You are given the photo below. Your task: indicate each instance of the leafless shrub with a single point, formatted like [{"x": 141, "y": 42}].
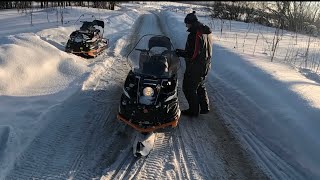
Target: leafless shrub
[
  {"x": 254, "y": 49},
  {"x": 236, "y": 41},
  {"x": 221, "y": 27},
  {"x": 245, "y": 37},
  {"x": 276, "y": 39}
]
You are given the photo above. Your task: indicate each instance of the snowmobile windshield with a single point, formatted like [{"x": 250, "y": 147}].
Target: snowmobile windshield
[
  {"x": 154, "y": 55},
  {"x": 89, "y": 26}
]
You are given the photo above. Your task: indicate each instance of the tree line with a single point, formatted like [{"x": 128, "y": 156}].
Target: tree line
[
  {"x": 296, "y": 16},
  {"x": 23, "y": 5}
]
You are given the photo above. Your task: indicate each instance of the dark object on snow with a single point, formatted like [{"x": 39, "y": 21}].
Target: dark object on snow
[
  {"x": 88, "y": 41},
  {"x": 149, "y": 100}
]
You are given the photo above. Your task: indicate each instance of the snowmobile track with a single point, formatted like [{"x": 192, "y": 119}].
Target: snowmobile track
[
  {"x": 180, "y": 154},
  {"x": 152, "y": 165},
  {"x": 126, "y": 165}
]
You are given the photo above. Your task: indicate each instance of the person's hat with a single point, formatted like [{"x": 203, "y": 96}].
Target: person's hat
[{"x": 191, "y": 18}]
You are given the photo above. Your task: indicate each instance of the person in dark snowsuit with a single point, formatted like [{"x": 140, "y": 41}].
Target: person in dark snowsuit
[{"x": 197, "y": 55}]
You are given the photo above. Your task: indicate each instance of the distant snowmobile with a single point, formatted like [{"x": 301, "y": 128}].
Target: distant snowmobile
[
  {"x": 149, "y": 100},
  {"x": 88, "y": 41}
]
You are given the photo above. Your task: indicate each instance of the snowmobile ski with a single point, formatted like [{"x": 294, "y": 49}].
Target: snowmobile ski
[{"x": 143, "y": 144}]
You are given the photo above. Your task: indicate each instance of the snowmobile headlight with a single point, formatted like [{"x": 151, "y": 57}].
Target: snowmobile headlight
[{"x": 148, "y": 91}]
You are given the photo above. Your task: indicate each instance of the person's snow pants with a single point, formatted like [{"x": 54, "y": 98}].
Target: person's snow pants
[{"x": 194, "y": 86}]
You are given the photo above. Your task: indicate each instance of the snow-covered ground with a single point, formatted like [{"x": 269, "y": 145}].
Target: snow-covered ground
[{"x": 58, "y": 110}]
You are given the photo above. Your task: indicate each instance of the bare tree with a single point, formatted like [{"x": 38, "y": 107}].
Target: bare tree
[
  {"x": 254, "y": 49},
  {"x": 112, "y": 5},
  {"x": 31, "y": 14},
  {"x": 245, "y": 37},
  {"x": 61, "y": 15},
  {"x": 311, "y": 29},
  {"x": 276, "y": 38}
]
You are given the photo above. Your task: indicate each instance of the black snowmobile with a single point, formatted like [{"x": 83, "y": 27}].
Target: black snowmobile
[
  {"x": 149, "y": 100},
  {"x": 88, "y": 41}
]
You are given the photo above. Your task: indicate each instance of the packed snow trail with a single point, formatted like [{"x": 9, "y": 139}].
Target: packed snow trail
[{"x": 242, "y": 107}]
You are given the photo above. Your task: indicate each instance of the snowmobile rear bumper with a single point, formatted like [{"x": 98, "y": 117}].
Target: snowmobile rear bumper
[{"x": 173, "y": 124}]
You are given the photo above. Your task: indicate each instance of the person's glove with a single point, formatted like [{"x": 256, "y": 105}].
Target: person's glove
[{"x": 179, "y": 52}]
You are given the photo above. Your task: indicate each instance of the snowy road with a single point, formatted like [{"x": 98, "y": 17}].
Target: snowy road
[
  {"x": 83, "y": 139},
  {"x": 58, "y": 111}
]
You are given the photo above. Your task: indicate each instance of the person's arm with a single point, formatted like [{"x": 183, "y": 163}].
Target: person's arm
[
  {"x": 197, "y": 46},
  {"x": 181, "y": 53}
]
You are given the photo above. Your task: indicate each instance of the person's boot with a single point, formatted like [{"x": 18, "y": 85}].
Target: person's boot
[
  {"x": 204, "y": 111},
  {"x": 189, "y": 113}
]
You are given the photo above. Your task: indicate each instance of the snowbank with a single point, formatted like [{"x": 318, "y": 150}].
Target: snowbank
[{"x": 31, "y": 66}]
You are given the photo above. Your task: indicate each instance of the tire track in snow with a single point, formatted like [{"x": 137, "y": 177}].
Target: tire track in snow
[
  {"x": 269, "y": 159},
  {"x": 124, "y": 166},
  {"x": 150, "y": 167},
  {"x": 180, "y": 154},
  {"x": 129, "y": 166},
  {"x": 156, "y": 160},
  {"x": 198, "y": 147},
  {"x": 48, "y": 153}
]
